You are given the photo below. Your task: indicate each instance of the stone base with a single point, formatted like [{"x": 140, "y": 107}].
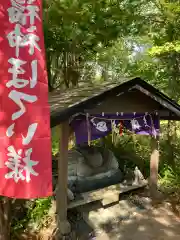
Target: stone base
[{"x": 64, "y": 227}]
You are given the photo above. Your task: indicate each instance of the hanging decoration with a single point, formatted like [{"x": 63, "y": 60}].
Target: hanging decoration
[
  {"x": 100, "y": 126},
  {"x": 121, "y": 128}
]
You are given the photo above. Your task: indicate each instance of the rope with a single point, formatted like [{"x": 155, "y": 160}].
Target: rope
[
  {"x": 118, "y": 119},
  {"x": 112, "y": 119}
]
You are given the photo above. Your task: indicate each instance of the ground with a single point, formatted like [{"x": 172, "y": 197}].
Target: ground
[
  {"x": 159, "y": 224},
  {"x": 133, "y": 218}
]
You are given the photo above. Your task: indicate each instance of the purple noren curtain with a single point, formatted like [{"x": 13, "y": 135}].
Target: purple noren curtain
[{"x": 100, "y": 126}]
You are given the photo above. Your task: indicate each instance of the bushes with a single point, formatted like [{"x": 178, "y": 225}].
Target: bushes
[
  {"x": 169, "y": 178},
  {"x": 34, "y": 215},
  {"x": 131, "y": 150},
  {"x": 55, "y": 139},
  {"x": 134, "y": 150}
]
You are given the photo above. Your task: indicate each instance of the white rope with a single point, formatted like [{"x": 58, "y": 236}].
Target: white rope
[
  {"x": 112, "y": 119},
  {"x": 117, "y": 119}
]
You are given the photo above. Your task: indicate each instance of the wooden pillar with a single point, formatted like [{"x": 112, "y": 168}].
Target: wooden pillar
[
  {"x": 63, "y": 224},
  {"x": 154, "y": 164}
]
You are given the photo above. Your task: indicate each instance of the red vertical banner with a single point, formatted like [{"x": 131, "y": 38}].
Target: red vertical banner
[{"x": 25, "y": 143}]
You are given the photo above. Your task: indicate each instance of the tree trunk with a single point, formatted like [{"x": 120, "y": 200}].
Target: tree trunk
[
  {"x": 48, "y": 65},
  {"x": 5, "y": 218}
]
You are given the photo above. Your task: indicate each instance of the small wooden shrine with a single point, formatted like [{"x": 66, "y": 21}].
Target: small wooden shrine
[{"x": 120, "y": 98}]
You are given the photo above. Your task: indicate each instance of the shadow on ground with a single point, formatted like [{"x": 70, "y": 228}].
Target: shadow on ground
[{"x": 128, "y": 220}]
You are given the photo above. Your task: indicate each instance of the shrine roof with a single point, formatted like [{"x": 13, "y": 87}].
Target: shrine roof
[{"x": 64, "y": 104}]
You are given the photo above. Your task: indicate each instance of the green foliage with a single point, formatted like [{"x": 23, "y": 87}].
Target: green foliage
[
  {"x": 115, "y": 38},
  {"x": 170, "y": 178},
  {"x": 76, "y": 31},
  {"x": 34, "y": 215},
  {"x": 151, "y": 49},
  {"x": 133, "y": 150},
  {"x": 39, "y": 210},
  {"x": 55, "y": 132},
  {"x": 168, "y": 47}
]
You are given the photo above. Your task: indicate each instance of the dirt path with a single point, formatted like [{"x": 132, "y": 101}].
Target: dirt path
[
  {"x": 133, "y": 218},
  {"x": 157, "y": 224},
  {"x": 130, "y": 219}
]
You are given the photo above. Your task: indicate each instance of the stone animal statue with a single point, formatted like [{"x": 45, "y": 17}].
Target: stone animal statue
[{"x": 90, "y": 161}]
